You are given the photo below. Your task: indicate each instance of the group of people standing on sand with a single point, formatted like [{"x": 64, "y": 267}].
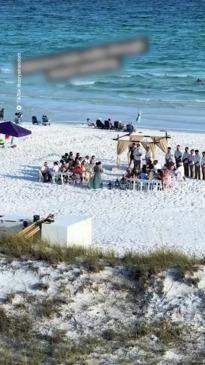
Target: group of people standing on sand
[
  {"x": 74, "y": 168},
  {"x": 178, "y": 164},
  {"x": 142, "y": 166},
  {"x": 192, "y": 161}
]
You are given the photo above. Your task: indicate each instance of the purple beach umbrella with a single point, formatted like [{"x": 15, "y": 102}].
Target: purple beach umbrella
[{"x": 13, "y": 129}]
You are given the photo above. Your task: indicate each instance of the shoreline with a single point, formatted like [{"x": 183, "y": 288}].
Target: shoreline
[{"x": 79, "y": 124}]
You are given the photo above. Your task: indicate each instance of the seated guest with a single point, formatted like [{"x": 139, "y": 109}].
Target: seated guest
[
  {"x": 156, "y": 165},
  {"x": 123, "y": 183},
  {"x": 150, "y": 166},
  {"x": 76, "y": 162},
  {"x": 99, "y": 123},
  {"x": 117, "y": 183},
  {"x": 46, "y": 173},
  {"x": 121, "y": 125},
  {"x": 77, "y": 169},
  {"x": 144, "y": 174},
  {"x": 159, "y": 174},
  {"x": 150, "y": 175},
  {"x": 167, "y": 179},
  {"x": 71, "y": 165},
  {"x": 63, "y": 166},
  {"x": 129, "y": 128},
  {"x": 171, "y": 167},
  {"x": 128, "y": 173},
  {"x": 108, "y": 124},
  {"x": 135, "y": 175},
  {"x": 179, "y": 172}
]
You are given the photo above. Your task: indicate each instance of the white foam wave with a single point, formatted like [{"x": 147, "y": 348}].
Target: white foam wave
[
  {"x": 5, "y": 70},
  {"x": 82, "y": 82},
  {"x": 9, "y": 82}
]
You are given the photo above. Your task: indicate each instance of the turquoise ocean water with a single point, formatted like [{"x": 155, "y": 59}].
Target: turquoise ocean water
[{"x": 161, "y": 84}]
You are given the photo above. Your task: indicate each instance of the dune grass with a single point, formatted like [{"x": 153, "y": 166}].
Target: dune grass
[
  {"x": 93, "y": 258},
  {"x": 20, "y": 344}
]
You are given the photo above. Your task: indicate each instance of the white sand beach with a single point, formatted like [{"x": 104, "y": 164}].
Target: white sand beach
[{"x": 122, "y": 220}]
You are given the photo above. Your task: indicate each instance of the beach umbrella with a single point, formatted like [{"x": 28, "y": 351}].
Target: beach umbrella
[{"x": 13, "y": 130}]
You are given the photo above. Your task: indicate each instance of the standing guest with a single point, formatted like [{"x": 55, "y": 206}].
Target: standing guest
[
  {"x": 91, "y": 165},
  {"x": 191, "y": 163},
  {"x": 77, "y": 156},
  {"x": 178, "y": 156},
  {"x": 85, "y": 171},
  {"x": 70, "y": 156},
  {"x": 2, "y": 114},
  {"x": 169, "y": 156},
  {"x": 197, "y": 161},
  {"x": 148, "y": 155},
  {"x": 47, "y": 177},
  {"x": 203, "y": 165},
  {"x": 65, "y": 157},
  {"x": 96, "y": 181},
  {"x": 185, "y": 160},
  {"x": 92, "y": 161},
  {"x": 55, "y": 168},
  {"x": 131, "y": 153},
  {"x": 137, "y": 157},
  {"x": 87, "y": 160}
]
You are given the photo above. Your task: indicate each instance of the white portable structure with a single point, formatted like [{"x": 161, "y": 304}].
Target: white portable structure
[{"x": 68, "y": 230}]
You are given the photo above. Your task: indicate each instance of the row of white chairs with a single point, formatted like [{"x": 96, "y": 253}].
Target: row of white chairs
[
  {"x": 61, "y": 178},
  {"x": 147, "y": 185}
]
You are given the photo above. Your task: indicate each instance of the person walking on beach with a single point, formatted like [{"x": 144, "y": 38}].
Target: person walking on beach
[
  {"x": 178, "y": 156},
  {"x": 185, "y": 160},
  {"x": 197, "y": 162},
  {"x": 137, "y": 157},
  {"x": 169, "y": 157},
  {"x": 191, "y": 164},
  {"x": 203, "y": 165}
]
